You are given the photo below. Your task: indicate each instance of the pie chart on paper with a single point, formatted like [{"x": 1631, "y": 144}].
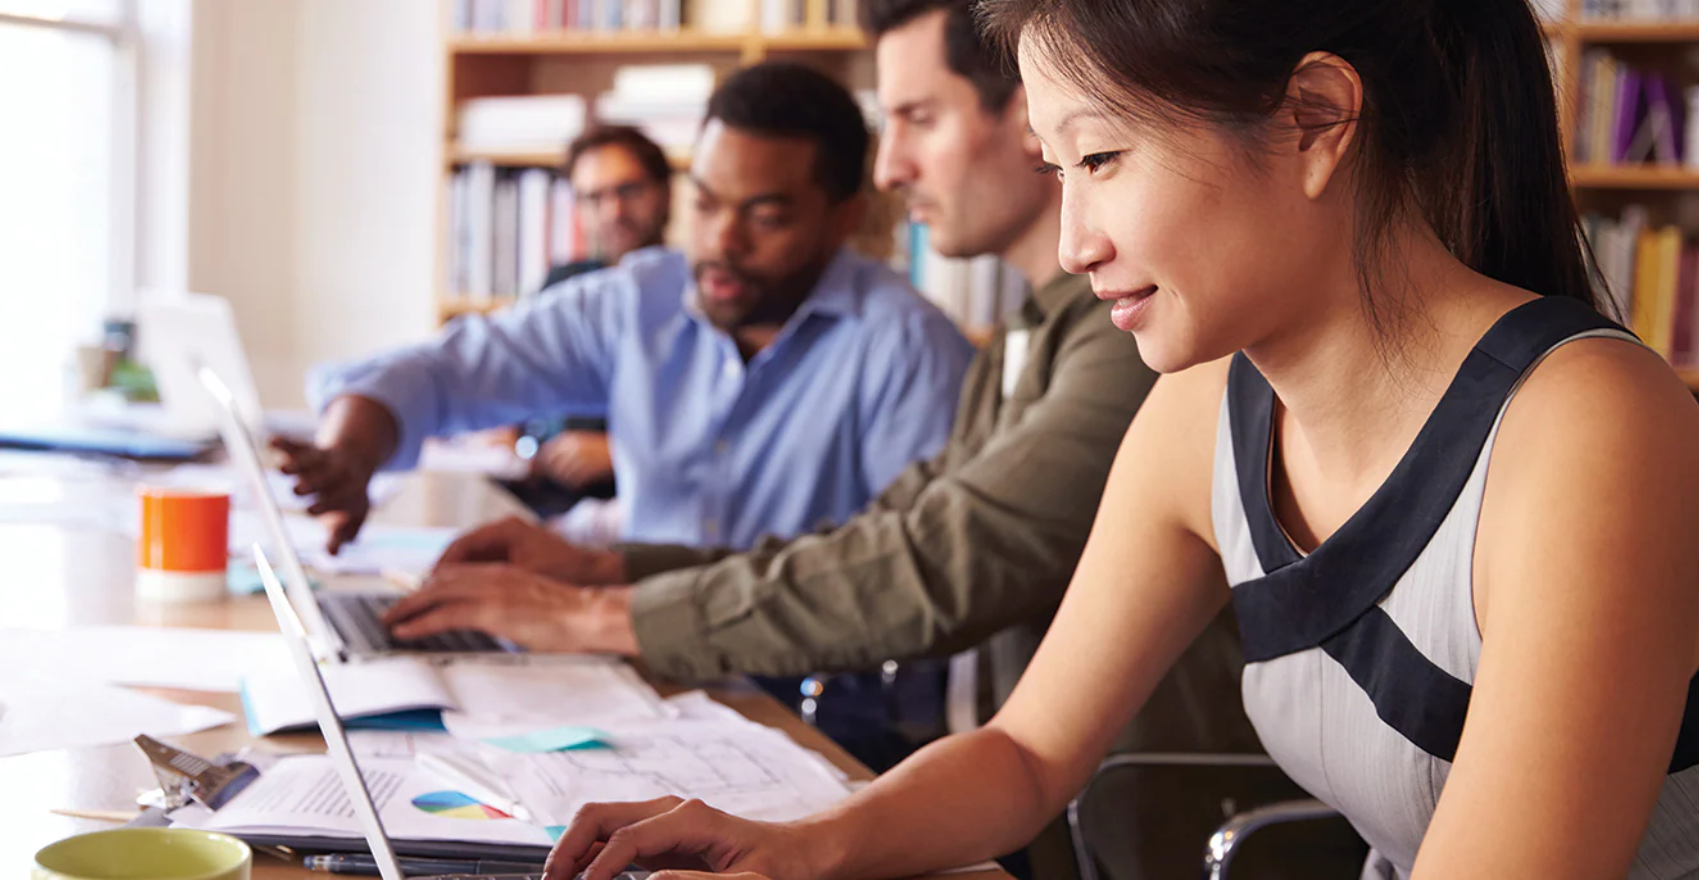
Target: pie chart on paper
[{"x": 454, "y": 805}]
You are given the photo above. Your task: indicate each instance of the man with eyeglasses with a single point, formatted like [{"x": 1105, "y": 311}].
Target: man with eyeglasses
[{"x": 622, "y": 196}]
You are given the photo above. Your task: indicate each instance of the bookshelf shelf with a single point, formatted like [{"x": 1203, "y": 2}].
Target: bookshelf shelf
[
  {"x": 832, "y": 40},
  {"x": 1638, "y": 31},
  {"x": 455, "y": 156},
  {"x": 550, "y": 159},
  {"x": 598, "y": 43},
  {"x": 1648, "y": 177},
  {"x": 603, "y": 43},
  {"x": 453, "y": 307}
]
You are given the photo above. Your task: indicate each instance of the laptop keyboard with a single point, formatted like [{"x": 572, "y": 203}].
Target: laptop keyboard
[{"x": 357, "y": 619}]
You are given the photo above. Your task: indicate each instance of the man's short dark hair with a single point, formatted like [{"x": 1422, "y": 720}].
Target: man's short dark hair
[
  {"x": 787, "y": 99},
  {"x": 965, "y": 50},
  {"x": 648, "y": 154}
]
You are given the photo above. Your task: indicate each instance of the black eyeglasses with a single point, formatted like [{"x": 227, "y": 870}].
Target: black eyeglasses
[{"x": 624, "y": 192}]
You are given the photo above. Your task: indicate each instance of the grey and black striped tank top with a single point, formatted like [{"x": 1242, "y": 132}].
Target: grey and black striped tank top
[{"x": 1360, "y": 655}]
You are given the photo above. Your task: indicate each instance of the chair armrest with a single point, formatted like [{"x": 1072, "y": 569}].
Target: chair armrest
[
  {"x": 1225, "y": 842},
  {"x": 1082, "y": 851}
]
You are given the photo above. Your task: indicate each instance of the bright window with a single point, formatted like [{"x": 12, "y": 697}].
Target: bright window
[{"x": 66, "y": 160}]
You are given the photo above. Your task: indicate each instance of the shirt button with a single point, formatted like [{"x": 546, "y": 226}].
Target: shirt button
[
  {"x": 730, "y": 369},
  {"x": 711, "y": 527},
  {"x": 720, "y": 447}
]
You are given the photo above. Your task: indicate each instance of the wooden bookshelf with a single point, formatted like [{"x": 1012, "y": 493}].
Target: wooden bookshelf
[
  {"x": 600, "y": 43},
  {"x": 458, "y": 156},
  {"x": 449, "y": 307},
  {"x": 1607, "y": 189},
  {"x": 830, "y": 40},
  {"x": 583, "y": 63},
  {"x": 455, "y": 155}
]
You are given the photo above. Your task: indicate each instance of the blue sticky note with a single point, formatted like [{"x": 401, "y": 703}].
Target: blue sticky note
[
  {"x": 242, "y": 577},
  {"x": 410, "y": 721},
  {"x": 558, "y": 739}
]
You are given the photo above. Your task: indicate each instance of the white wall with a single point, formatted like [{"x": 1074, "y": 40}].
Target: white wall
[{"x": 315, "y": 139}]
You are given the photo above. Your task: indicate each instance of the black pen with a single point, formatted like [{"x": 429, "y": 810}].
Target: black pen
[{"x": 345, "y": 863}]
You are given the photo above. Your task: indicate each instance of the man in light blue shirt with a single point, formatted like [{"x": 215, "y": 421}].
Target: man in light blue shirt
[{"x": 771, "y": 383}]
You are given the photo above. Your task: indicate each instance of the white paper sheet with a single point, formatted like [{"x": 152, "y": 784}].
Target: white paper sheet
[
  {"x": 740, "y": 767},
  {"x": 698, "y": 706},
  {"x": 301, "y": 795},
  {"x": 280, "y": 700},
  {"x": 512, "y": 697},
  {"x": 483, "y": 697},
  {"x": 47, "y": 714},
  {"x": 743, "y": 768},
  {"x": 145, "y": 656}
]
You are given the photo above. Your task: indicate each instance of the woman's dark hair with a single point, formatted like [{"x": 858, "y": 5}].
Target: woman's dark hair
[
  {"x": 787, "y": 99},
  {"x": 648, "y": 154},
  {"x": 1458, "y": 124},
  {"x": 966, "y": 51}
]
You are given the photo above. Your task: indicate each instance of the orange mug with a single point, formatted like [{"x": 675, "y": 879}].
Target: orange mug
[{"x": 184, "y": 545}]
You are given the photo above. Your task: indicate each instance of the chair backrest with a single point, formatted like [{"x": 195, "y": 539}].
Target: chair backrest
[{"x": 1150, "y": 816}]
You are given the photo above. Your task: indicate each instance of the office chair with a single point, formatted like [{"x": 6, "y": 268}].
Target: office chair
[{"x": 1145, "y": 816}]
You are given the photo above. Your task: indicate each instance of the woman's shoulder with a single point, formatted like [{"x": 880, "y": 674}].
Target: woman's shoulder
[
  {"x": 1598, "y": 449},
  {"x": 1605, "y": 390}
]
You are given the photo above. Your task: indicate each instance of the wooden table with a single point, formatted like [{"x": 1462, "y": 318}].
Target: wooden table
[{"x": 59, "y": 575}]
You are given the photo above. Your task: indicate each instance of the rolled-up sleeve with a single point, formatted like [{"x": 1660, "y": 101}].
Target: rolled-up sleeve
[
  {"x": 552, "y": 354},
  {"x": 988, "y": 543}
]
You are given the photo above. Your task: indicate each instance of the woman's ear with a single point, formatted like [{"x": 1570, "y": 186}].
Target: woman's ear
[
  {"x": 1324, "y": 98},
  {"x": 1015, "y": 119}
]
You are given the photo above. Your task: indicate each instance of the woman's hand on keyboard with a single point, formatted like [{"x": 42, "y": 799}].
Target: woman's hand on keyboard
[{"x": 674, "y": 835}]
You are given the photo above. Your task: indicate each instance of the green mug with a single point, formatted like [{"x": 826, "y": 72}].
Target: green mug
[{"x": 145, "y": 854}]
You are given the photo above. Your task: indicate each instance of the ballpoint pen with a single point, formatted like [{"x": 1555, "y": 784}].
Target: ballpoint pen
[
  {"x": 346, "y": 863},
  {"x": 473, "y": 781}
]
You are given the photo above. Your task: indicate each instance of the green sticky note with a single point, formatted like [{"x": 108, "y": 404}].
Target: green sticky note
[{"x": 557, "y": 739}]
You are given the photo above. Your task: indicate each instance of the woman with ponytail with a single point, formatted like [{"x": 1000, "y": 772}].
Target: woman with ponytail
[{"x": 1450, "y": 502}]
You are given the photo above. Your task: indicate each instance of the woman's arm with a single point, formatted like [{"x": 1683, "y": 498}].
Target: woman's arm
[
  {"x": 1587, "y": 594},
  {"x": 1149, "y": 581}
]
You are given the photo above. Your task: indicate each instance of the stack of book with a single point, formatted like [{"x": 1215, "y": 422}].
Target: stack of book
[
  {"x": 1640, "y": 9},
  {"x": 667, "y": 101},
  {"x": 519, "y": 124},
  {"x": 521, "y": 18},
  {"x": 782, "y": 16},
  {"x": 507, "y": 227},
  {"x": 1652, "y": 276},
  {"x": 1628, "y": 115}
]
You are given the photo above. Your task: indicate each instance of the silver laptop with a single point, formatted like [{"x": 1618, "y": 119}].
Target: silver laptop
[
  {"x": 347, "y": 623},
  {"x": 335, "y": 737},
  {"x": 179, "y": 333}
]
